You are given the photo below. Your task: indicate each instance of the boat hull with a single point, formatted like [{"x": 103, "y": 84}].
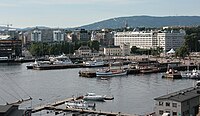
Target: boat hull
[
  {"x": 93, "y": 98},
  {"x": 110, "y": 74}
]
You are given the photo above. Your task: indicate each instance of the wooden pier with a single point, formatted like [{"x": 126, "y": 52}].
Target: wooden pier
[
  {"x": 84, "y": 111},
  {"x": 75, "y": 110},
  {"x": 43, "y": 107}
]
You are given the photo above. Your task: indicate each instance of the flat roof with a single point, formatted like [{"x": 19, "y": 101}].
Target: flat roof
[
  {"x": 5, "y": 108},
  {"x": 182, "y": 95}
]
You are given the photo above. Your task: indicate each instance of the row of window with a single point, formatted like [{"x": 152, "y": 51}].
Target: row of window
[
  {"x": 168, "y": 104},
  {"x": 173, "y": 113}
]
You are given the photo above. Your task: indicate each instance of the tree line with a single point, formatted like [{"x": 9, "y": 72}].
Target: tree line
[
  {"x": 192, "y": 42},
  {"x": 39, "y": 49}
]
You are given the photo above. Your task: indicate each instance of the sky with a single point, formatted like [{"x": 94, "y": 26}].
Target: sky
[{"x": 73, "y": 13}]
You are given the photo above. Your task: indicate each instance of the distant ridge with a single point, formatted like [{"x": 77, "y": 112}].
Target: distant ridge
[{"x": 144, "y": 21}]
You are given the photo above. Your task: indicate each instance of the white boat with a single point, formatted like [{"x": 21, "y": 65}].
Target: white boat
[
  {"x": 111, "y": 72},
  {"x": 94, "y": 63},
  {"x": 80, "y": 104},
  {"x": 31, "y": 65},
  {"x": 94, "y": 97},
  {"x": 194, "y": 74},
  {"x": 60, "y": 60}
]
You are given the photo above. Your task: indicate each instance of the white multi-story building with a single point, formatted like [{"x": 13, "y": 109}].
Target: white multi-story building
[
  {"x": 58, "y": 36},
  {"x": 36, "y": 36},
  {"x": 152, "y": 39}
]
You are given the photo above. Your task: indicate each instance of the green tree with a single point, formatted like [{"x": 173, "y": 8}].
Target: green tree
[
  {"x": 182, "y": 51},
  {"x": 134, "y": 49},
  {"x": 94, "y": 45}
]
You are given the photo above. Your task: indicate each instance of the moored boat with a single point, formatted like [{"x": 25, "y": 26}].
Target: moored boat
[
  {"x": 95, "y": 63},
  {"x": 60, "y": 60},
  {"x": 111, "y": 72},
  {"x": 149, "y": 70},
  {"x": 94, "y": 97},
  {"x": 80, "y": 104},
  {"x": 173, "y": 74},
  {"x": 31, "y": 65},
  {"x": 194, "y": 74}
]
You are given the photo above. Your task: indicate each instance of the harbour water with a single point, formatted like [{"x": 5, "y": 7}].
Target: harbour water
[{"x": 133, "y": 94}]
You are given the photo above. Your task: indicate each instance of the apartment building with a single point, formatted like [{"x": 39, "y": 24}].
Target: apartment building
[
  {"x": 47, "y": 35},
  {"x": 36, "y": 36},
  {"x": 151, "y": 39},
  {"x": 58, "y": 36}
]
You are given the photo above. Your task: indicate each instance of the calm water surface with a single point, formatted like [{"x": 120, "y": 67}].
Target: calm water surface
[{"x": 133, "y": 94}]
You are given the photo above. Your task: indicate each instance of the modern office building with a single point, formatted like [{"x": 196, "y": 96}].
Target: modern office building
[
  {"x": 181, "y": 103},
  {"x": 151, "y": 39}
]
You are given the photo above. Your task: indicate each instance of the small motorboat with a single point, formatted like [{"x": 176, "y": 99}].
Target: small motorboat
[{"x": 94, "y": 97}]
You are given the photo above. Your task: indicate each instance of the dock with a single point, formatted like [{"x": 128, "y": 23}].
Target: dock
[
  {"x": 77, "y": 110},
  {"x": 43, "y": 107},
  {"x": 84, "y": 111},
  {"x": 52, "y": 67},
  {"x": 92, "y": 73}
]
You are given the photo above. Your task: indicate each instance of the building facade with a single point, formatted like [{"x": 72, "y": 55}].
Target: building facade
[
  {"x": 181, "y": 103},
  {"x": 47, "y": 35},
  {"x": 10, "y": 48},
  {"x": 81, "y": 35},
  {"x": 112, "y": 51},
  {"x": 151, "y": 39},
  {"x": 125, "y": 49},
  {"x": 36, "y": 36},
  {"x": 58, "y": 36},
  {"x": 104, "y": 37},
  {"x": 170, "y": 40},
  {"x": 83, "y": 51}
]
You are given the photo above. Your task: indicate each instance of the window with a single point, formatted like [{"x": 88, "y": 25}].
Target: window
[
  {"x": 174, "y": 114},
  {"x": 161, "y": 112},
  {"x": 167, "y": 104},
  {"x": 174, "y": 105},
  {"x": 160, "y": 103}
]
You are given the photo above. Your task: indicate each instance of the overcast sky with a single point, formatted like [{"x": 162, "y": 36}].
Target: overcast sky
[{"x": 72, "y": 13}]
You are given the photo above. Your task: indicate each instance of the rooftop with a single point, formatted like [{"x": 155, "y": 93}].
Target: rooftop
[{"x": 182, "y": 95}]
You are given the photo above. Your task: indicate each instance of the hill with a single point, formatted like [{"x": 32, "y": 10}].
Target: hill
[{"x": 144, "y": 21}]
